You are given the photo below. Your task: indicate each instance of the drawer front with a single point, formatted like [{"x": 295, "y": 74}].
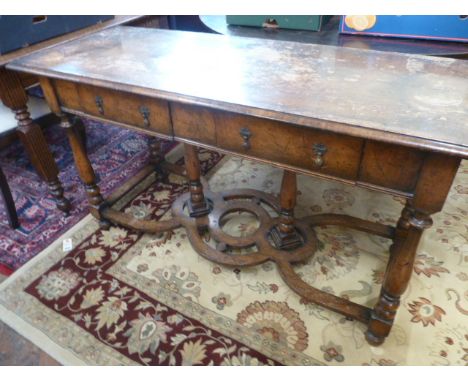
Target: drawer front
[
  {"x": 305, "y": 148},
  {"x": 390, "y": 166},
  {"x": 194, "y": 123},
  {"x": 130, "y": 109}
]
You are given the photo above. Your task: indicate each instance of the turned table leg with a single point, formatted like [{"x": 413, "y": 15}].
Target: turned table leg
[
  {"x": 398, "y": 273},
  {"x": 197, "y": 205},
  {"x": 85, "y": 170},
  {"x": 77, "y": 142},
  {"x": 14, "y": 97},
  {"x": 80, "y": 129},
  {"x": 156, "y": 158},
  {"x": 285, "y": 235},
  {"x": 433, "y": 185}
]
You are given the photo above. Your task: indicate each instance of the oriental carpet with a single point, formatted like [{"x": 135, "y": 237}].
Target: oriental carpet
[
  {"x": 116, "y": 154},
  {"x": 120, "y": 297}
]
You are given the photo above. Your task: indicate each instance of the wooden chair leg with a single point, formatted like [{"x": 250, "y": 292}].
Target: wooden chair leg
[
  {"x": 9, "y": 202},
  {"x": 34, "y": 142},
  {"x": 14, "y": 97}
]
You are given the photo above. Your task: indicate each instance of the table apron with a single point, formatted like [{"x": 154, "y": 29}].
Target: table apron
[{"x": 368, "y": 163}]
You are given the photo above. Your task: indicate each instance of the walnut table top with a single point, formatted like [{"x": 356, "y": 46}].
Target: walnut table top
[{"x": 409, "y": 99}]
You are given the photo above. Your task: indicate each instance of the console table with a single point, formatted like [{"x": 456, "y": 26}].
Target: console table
[{"x": 394, "y": 123}]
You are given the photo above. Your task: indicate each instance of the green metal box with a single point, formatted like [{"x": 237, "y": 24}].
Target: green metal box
[{"x": 311, "y": 23}]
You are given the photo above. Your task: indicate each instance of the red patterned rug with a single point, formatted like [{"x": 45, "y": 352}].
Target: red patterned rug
[{"x": 116, "y": 154}]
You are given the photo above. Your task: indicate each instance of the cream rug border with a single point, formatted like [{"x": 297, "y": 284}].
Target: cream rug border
[{"x": 24, "y": 328}]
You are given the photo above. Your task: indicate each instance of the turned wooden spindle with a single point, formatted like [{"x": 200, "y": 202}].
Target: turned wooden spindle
[
  {"x": 157, "y": 158},
  {"x": 433, "y": 185},
  {"x": 77, "y": 140},
  {"x": 198, "y": 205},
  {"x": 14, "y": 96},
  {"x": 408, "y": 233},
  {"x": 83, "y": 165},
  {"x": 285, "y": 235}
]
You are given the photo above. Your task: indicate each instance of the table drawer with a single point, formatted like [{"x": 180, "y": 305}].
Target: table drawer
[
  {"x": 194, "y": 123},
  {"x": 131, "y": 109},
  {"x": 391, "y": 166},
  {"x": 304, "y": 148}
]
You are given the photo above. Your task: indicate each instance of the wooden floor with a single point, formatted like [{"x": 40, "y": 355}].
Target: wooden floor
[{"x": 15, "y": 350}]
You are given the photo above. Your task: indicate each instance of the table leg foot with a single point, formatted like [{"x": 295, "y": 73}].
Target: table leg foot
[
  {"x": 381, "y": 320},
  {"x": 104, "y": 224},
  {"x": 197, "y": 210},
  {"x": 286, "y": 241},
  {"x": 373, "y": 340},
  {"x": 56, "y": 190}
]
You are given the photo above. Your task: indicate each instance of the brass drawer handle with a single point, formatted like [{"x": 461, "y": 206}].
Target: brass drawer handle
[
  {"x": 245, "y": 134},
  {"x": 100, "y": 104},
  {"x": 319, "y": 150},
  {"x": 144, "y": 111}
]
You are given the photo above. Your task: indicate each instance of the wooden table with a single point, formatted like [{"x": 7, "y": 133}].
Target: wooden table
[
  {"x": 390, "y": 122},
  {"x": 14, "y": 96}
]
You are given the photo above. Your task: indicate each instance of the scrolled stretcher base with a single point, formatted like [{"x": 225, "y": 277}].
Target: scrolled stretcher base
[{"x": 259, "y": 246}]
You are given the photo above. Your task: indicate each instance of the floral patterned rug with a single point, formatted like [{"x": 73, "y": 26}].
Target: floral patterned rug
[
  {"x": 116, "y": 154},
  {"x": 120, "y": 297}
]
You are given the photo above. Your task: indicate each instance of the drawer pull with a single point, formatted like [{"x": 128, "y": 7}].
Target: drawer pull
[
  {"x": 245, "y": 134},
  {"x": 319, "y": 150},
  {"x": 100, "y": 104},
  {"x": 145, "y": 114}
]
